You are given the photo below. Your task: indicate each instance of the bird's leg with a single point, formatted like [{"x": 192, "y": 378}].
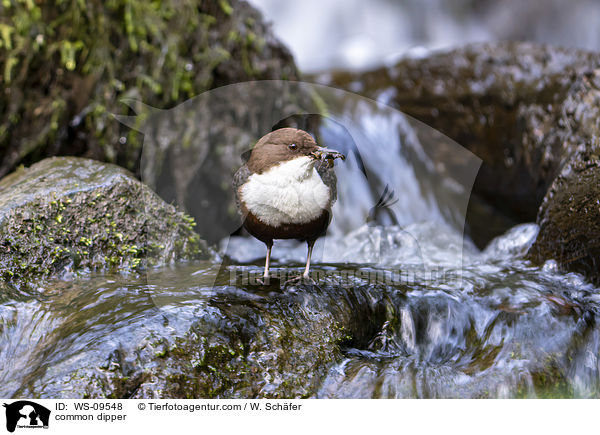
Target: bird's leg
[
  {"x": 267, "y": 261},
  {"x": 305, "y": 276},
  {"x": 311, "y": 244}
]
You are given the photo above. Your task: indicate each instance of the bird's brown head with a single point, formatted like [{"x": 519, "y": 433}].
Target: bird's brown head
[{"x": 286, "y": 144}]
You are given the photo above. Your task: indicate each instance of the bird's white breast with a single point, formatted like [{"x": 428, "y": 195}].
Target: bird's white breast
[{"x": 291, "y": 192}]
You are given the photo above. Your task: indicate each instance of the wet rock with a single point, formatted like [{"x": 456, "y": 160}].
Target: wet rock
[
  {"x": 68, "y": 214},
  {"x": 521, "y": 107},
  {"x": 66, "y": 68},
  {"x": 569, "y": 217},
  {"x": 171, "y": 336},
  {"x": 502, "y": 330}
]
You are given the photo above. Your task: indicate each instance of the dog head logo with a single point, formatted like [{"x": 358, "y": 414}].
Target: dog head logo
[{"x": 26, "y": 414}]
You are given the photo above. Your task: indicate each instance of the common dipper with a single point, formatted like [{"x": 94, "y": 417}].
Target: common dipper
[{"x": 286, "y": 189}]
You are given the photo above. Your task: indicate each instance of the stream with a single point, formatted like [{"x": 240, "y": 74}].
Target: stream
[{"x": 403, "y": 305}]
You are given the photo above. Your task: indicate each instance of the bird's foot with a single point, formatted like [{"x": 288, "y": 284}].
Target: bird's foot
[
  {"x": 305, "y": 279},
  {"x": 265, "y": 280}
]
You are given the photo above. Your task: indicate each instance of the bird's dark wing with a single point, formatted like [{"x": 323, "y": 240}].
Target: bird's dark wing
[
  {"x": 239, "y": 178},
  {"x": 328, "y": 176}
]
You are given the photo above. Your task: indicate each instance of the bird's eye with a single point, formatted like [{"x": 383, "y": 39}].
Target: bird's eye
[{"x": 293, "y": 146}]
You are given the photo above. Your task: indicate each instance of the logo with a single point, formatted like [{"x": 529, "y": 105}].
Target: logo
[{"x": 25, "y": 414}]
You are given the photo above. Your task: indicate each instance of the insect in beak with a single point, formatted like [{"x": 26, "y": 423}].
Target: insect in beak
[{"x": 328, "y": 155}]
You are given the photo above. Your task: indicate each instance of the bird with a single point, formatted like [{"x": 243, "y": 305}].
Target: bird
[{"x": 286, "y": 190}]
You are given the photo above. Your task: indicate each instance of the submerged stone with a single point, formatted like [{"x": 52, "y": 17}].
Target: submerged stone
[
  {"x": 501, "y": 330},
  {"x": 166, "y": 335}
]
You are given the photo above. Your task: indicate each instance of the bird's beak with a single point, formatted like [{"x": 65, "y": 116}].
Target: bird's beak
[{"x": 325, "y": 154}]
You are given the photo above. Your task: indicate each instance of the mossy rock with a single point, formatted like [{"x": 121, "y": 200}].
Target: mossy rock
[
  {"x": 65, "y": 67},
  {"x": 72, "y": 214}
]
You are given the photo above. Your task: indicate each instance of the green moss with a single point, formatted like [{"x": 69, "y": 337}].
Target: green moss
[
  {"x": 208, "y": 370},
  {"x": 225, "y": 7}
]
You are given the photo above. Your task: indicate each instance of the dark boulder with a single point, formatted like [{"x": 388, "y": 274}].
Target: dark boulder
[{"x": 569, "y": 217}]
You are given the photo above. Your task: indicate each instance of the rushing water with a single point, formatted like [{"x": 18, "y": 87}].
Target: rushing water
[
  {"x": 500, "y": 329},
  {"x": 423, "y": 312}
]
